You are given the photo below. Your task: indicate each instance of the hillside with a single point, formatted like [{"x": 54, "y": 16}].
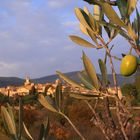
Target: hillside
[
  {"x": 10, "y": 81},
  {"x": 15, "y": 81}
]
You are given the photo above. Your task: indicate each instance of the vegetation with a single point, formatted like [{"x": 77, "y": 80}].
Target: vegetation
[{"x": 115, "y": 123}]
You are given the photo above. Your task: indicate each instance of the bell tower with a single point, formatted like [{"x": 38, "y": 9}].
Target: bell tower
[{"x": 27, "y": 81}]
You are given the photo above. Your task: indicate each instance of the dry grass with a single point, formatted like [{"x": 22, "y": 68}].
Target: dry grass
[{"x": 60, "y": 129}]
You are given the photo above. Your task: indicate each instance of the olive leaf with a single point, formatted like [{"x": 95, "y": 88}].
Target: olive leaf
[
  {"x": 86, "y": 83},
  {"x": 86, "y": 10},
  {"x": 4, "y": 124},
  {"x": 83, "y": 17},
  {"x": 47, "y": 104},
  {"x": 97, "y": 16},
  {"x": 122, "y": 5},
  {"x": 81, "y": 42},
  {"x": 103, "y": 70},
  {"x": 131, "y": 6},
  {"x": 131, "y": 32},
  {"x": 83, "y": 29},
  {"x": 96, "y": 12},
  {"x": 44, "y": 130},
  {"x": 84, "y": 96},
  {"x": 10, "y": 111},
  {"x": 135, "y": 26},
  {"x": 112, "y": 15},
  {"x": 27, "y": 132},
  {"x": 92, "y": 36},
  {"x": 90, "y": 71},
  {"x": 8, "y": 120},
  {"x": 94, "y": 24},
  {"x": 20, "y": 118},
  {"x": 58, "y": 96},
  {"x": 85, "y": 75},
  {"x": 138, "y": 27},
  {"x": 118, "y": 29},
  {"x": 68, "y": 80},
  {"x": 47, "y": 127}
]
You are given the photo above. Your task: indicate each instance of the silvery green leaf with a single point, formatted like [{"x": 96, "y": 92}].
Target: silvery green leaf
[
  {"x": 122, "y": 5},
  {"x": 83, "y": 17},
  {"x": 27, "y": 132},
  {"x": 85, "y": 82},
  {"x": 80, "y": 41},
  {"x": 89, "y": 67},
  {"x": 84, "y": 96},
  {"x": 47, "y": 103},
  {"x": 131, "y": 6},
  {"x": 20, "y": 118},
  {"x": 10, "y": 125},
  {"x": 103, "y": 70},
  {"x": 112, "y": 15},
  {"x": 58, "y": 96},
  {"x": 68, "y": 80}
]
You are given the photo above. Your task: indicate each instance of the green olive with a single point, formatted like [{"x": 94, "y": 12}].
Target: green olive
[{"x": 128, "y": 65}]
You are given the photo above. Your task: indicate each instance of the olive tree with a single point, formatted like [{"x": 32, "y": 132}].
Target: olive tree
[
  {"x": 92, "y": 24},
  {"x": 123, "y": 124}
]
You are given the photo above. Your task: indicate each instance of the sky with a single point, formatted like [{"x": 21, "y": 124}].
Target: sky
[{"x": 34, "y": 38}]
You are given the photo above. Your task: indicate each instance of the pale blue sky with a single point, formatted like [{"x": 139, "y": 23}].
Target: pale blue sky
[{"x": 34, "y": 38}]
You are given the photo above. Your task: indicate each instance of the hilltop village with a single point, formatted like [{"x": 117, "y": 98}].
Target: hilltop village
[
  {"x": 28, "y": 88},
  {"x": 49, "y": 88}
]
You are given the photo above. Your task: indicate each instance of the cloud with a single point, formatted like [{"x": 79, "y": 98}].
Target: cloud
[
  {"x": 71, "y": 24},
  {"x": 58, "y": 4},
  {"x": 8, "y": 69},
  {"x": 33, "y": 40}
]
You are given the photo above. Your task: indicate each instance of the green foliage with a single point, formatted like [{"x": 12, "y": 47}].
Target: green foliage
[
  {"x": 112, "y": 15},
  {"x": 84, "y": 96},
  {"x": 103, "y": 72},
  {"x": 91, "y": 24},
  {"x": 68, "y": 80},
  {"x": 90, "y": 70},
  {"x": 47, "y": 102},
  {"x": 137, "y": 79},
  {"x": 27, "y": 132},
  {"x": 137, "y": 84},
  {"x": 58, "y": 96},
  {"x": 8, "y": 121},
  {"x": 85, "y": 80},
  {"x": 130, "y": 94},
  {"x": 129, "y": 90},
  {"x": 44, "y": 130},
  {"x": 131, "y": 7},
  {"x": 10, "y": 124},
  {"x": 81, "y": 42},
  {"x": 122, "y": 5}
]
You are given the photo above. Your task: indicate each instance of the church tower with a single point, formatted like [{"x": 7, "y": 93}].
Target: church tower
[{"x": 27, "y": 81}]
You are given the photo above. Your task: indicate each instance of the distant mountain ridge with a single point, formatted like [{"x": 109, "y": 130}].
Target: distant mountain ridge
[
  {"x": 11, "y": 81},
  {"x": 15, "y": 81}
]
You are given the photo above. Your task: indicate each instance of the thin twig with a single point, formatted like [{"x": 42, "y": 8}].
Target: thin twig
[
  {"x": 120, "y": 122},
  {"x": 115, "y": 85},
  {"x": 74, "y": 127},
  {"x": 99, "y": 122},
  {"x": 95, "y": 105},
  {"x": 134, "y": 46}
]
